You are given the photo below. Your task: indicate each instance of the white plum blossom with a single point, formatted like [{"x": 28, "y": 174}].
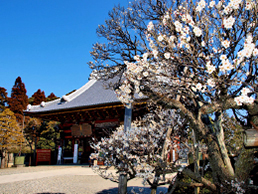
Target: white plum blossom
[
  {"x": 229, "y": 22},
  {"x": 245, "y": 91},
  {"x": 249, "y": 5},
  {"x": 198, "y": 55},
  {"x": 178, "y": 26},
  {"x": 167, "y": 55},
  {"x": 172, "y": 39},
  {"x": 227, "y": 9},
  {"x": 244, "y": 98},
  {"x": 211, "y": 82},
  {"x": 226, "y": 65},
  {"x": 237, "y": 186},
  {"x": 160, "y": 38},
  {"x": 137, "y": 57},
  {"x": 167, "y": 16},
  {"x": 145, "y": 56},
  {"x": 219, "y": 5},
  {"x": 145, "y": 74},
  {"x": 255, "y": 52},
  {"x": 212, "y": 3},
  {"x": 249, "y": 48},
  {"x": 225, "y": 43},
  {"x": 201, "y": 5},
  {"x": 210, "y": 68},
  {"x": 223, "y": 57},
  {"x": 155, "y": 53},
  {"x": 141, "y": 146},
  {"x": 249, "y": 39},
  {"x": 199, "y": 86},
  {"x": 197, "y": 31},
  {"x": 188, "y": 19},
  {"x": 235, "y": 4},
  {"x": 150, "y": 26},
  {"x": 127, "y": 90}
]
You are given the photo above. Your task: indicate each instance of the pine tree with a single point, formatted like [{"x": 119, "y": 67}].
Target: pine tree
[
  {"x": 3, "y": 99},
  {"x": 31, "y": 132},
  {"x": 38, "y": 97},
  {"x": 19, "y": 99},
  {"x": 43, "y": 131},
  {"x": 47, "y": 135},
  {"x": 10, "y": 133}
]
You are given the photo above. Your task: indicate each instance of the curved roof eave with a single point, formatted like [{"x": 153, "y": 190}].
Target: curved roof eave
[{"x": 94, "y": 93}]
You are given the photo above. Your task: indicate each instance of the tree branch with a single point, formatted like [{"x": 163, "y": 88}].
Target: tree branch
[{"x": 198, "y": 178}]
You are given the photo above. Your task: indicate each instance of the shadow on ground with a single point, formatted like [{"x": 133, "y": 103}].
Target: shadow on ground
[{"x": 133, "y": 190}]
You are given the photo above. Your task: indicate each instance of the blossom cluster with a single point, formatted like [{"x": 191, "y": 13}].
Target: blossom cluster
[
  {"x": 124, "y": 93},
  {"x": 140, "y": 150},
  {"x": 237, "y": 186},
  {"x": 244, "y": 97},
  {"x": 195, "y": 54},
  {"x": 210, "y": 62}
]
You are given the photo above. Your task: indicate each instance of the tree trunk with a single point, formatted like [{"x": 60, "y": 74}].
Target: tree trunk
[
  {"x": 172, "y": 187},
  {"x": 220, "y": 171},
  {"x": 164, "y": 149},
  {"x": 155, "y": 183},
  {"x": 244, "y": 164},
  {"x": 154, "y": 190},
  {"x": 222, "y": 145},
  {"x": 218, "y": 155},
  {"x": 3, "y": 158},
  {"x": 122, "y": 185}
]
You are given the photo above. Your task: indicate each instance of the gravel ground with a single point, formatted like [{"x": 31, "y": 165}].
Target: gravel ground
[
  {"x": 65, "y": 184},
  {"x": 18, "y": 170}
]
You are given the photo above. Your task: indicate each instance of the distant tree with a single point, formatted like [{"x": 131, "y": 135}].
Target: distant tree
[
  {"x": 51, "y": 96},
  {"x": 31, "y": 100},
  {"x": 38, "y": 97},
  {"x": 3, "y": 99},
  {"x": 44, "y": 133},
  {"x": 19, "y": 99},
  {"x": 31, "y": 131},
  {"x": 47, "y": 135},
  {"x": 10, "y": 133}
]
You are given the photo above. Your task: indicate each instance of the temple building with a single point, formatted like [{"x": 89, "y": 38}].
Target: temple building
[{"x": 91, "y": 111}]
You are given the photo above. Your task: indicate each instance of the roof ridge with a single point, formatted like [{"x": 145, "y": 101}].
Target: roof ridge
[
  {"x": 46, "y": 104},
  {"x": 70, "y": 96},
  {"x": 81, "y": 90}
]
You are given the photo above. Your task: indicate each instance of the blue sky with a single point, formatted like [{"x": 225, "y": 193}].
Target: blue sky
[{"x": 47, "y": 42}]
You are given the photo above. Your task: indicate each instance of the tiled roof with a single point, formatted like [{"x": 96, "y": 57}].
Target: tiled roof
[{"x": 92, "y": 93}]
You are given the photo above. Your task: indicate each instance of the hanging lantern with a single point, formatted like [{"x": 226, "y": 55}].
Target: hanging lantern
[{"x": 251, "y": 138}]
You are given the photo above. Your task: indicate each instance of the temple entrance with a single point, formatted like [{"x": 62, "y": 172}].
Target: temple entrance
[
  {"x": 82, "y": 134},
  {"x": 84, "y": 150}
]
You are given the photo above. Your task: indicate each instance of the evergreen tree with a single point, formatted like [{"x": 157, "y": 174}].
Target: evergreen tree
[
  {"x": 19, "y": 99},
  {"x": 43, "y": 131},
  {"x": 51, "y": 96},
  {"x": 31, "y": 100},
  {"x": 38, "y": 97},
  {"x": 3, "y": 99},
  {"x": 32, "y": 131},
  {"x": 10, "y": 133},
  {"x": 47, "y": 135}
]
